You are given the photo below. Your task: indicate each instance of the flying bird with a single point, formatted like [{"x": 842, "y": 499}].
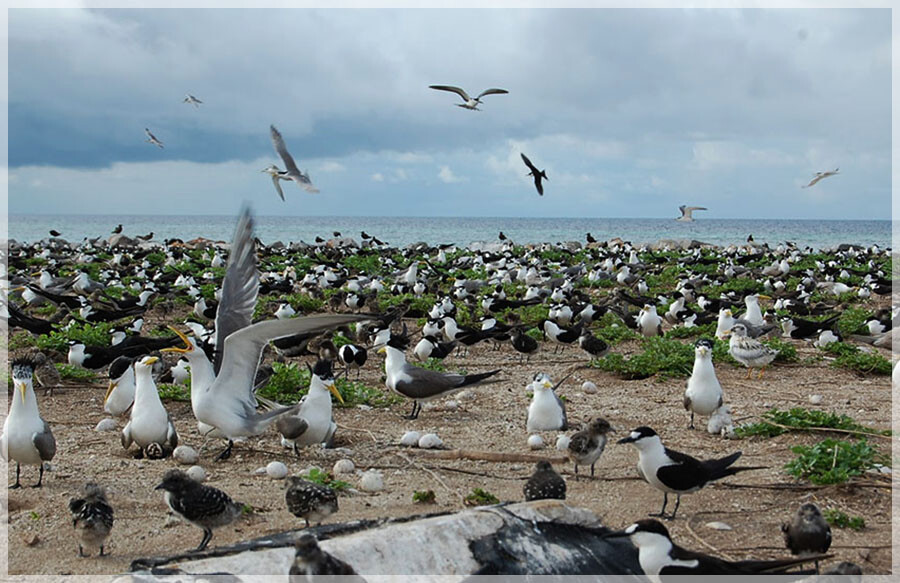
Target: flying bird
[
  {"x": 820, "y": 175},
  {"x": 686, "y": 212},
  {"x": 292, "y": 172},
  {"x": 470, "y": 103},
  {"x": 192, "y": 100},
  {"x": 152, "y": 139},
  {"x": 538, "y": 174}
]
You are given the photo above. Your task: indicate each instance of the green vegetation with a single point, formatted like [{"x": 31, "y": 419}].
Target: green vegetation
[
  {"x": 75, "y": 373},
  {"x": 851, "y": 357},
  {"x": 708, "y": 330},
  {"x": 786, "y": 350},
  {"x": 667, "y": 358},
  {"x": 834, "y": 461},
  {"x": 479, "y": 497},
  {"x": 840, "y": 519},
  {"x": 424, "y": 497},
  {"x": 290, "y": 382},
  {"x": 87, "y": 333},
  {"x": 326, "y": 479},
  {"x": 800, "y": 419},
  {"x": 853, "y": 320},
  {"x": 174, "y": 392}
]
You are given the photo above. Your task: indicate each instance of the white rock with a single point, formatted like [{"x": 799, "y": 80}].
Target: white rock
[
  {"x": 276, "y": 470},
  {"x": 410, "y": 439},
  {"x": 562, "y": 442},
  {"x": 589, "y": 388},
  {"x": 535, "y": 441},
  {"x": 343, "y": 466},
  {"x": 430, "y": 441},
  {"x": 718, "y": 526},
  {"x": 451, "y": 405},
  {"x": 815, "y": 399},
  {"x": 186, "y": 455},
  {"x": 107, "y": 424},
  {"x": 196, "y": 473},
  {"x": 466, "y": 395},
  {"x": 372, "y": 481}
]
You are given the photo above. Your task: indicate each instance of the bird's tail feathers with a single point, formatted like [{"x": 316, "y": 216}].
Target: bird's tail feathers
[
  {"x": 781, "y": 565},
  {"x": 471, "y": 379}
]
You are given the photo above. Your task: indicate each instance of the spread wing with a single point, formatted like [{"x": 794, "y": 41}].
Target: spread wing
[
  {"x": 240, "y": 285},
  {"x": 277, "y": 182},
  {"x": 528, "y": 163},
  {"x": 278, "y": 142},
  {"x": 491, "y": 91},
  {"x": 458, "y": 90}
]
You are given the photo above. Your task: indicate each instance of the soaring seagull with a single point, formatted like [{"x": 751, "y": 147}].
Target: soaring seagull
[
  {"x": 292, "y": 172},
  {"x": 538, "y": 174},
  {"x": 152, "y": 139},
  {"x": 470, "y": 103},
  {"x": 687, "y": 212},
  {"x": 820, "y": 175},
  {"x": 192, "y": 100}
]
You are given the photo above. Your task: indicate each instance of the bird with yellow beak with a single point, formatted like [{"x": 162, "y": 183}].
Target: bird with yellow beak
[
  {"x": 312, "y": 423},
  {"x": 150, "y": 426},
  {"x": 26, "y": 438}
]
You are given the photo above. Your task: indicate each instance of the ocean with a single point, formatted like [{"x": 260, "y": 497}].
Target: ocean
[{"x": 401, "y": 231}]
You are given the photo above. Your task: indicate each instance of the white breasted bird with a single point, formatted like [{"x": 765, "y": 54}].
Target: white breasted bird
[
  {"x": 150, "y": 426},
  {"x": 674, "y": 472},
  {"x": 313, "y": 422},
  {"x": 704, "y": 393},
  {"x": 120, "y": 392},
  {"x": 546, "y": 412},
  {"x": 26, "y": 438},
  {"x": 748, "y": 351}
]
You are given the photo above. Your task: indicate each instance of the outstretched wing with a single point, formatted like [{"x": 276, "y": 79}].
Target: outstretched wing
[
  {"x": 458, "y": 90},
  {"x": 277, "y": 182},
  {"x": 240, "y": 285},
  {"x": 278, "y": 142},
  {"x": 491, "y": 91},
  {"x": 528, "y": 163}
]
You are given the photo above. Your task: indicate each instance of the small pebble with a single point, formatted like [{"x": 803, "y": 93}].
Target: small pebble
[
  {"x": 410, "y": 439},
  {"x": 815, "y": 399},
  {"x": 343, "y": 466},
  {"x": 430, "y": 441},
  {"x": 535, "y": 441},
  {"x": 589, "y": 388},
  {"x": 107, "y": 424},
  {"x": 371, "y": 481},
  {"x": 196, "y": 473},
  {"x": 466, "y": 395},
  {"x": 562, "y": 442},
  {"x": 276, "y": 470},
  {"x": 451, "y": 405},
  {"x": 718, "y": 526},
  {"x": 186, "y": 455}
]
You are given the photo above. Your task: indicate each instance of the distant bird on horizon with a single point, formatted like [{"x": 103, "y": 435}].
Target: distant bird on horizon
[
  {"x": 538, "y": 174},
  {"x": 192, "y": 100},
  {"x": 152, "y": 139},
  {"x": 687, "y": 212},
  {"x": 292, "y": 172},
  {"x": 470, "y": 103},
  {"x": 54, "y": 233},
  {"x": 820, "y": 175},
  {"x": 117, "y": 230}
]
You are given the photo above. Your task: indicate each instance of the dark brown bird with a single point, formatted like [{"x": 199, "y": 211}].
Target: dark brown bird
[
  {"x": 545, "y": 484},
  {"x": 308, "y": 500},
  {"x": 310, "y": 560},
  {"x": 538, "y": 174},
  {"x": 54, "y": 233},
  {"x": 808, "y": 532}
]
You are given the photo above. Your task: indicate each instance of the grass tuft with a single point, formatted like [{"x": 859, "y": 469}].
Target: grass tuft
[{"x": 834, "y": 461}]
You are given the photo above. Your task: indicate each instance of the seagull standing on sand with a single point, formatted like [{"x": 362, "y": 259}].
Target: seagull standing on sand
[
  {"x": 704, "y": 393},
  {"x": 292, "y": 172},
  {"x": 150, "y": 426},
  {"x": 820, "y": 175},
  {"x": 192, "y": 100},
  {"x": 26, "y": 438},
  {"x": 538, "y": 174},
  {"x": 470, "y": 103},
  {"x": 152, "y": 139},
  {"x": 687, "y": 213}
]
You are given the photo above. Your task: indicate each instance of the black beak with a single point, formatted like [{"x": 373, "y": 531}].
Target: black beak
[
  {"x": 159, "y": 487},
  {"x": 628, "y": 439}
]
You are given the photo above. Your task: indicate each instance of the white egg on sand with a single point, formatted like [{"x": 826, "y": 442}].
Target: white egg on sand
[
  {"x": 186, "y": 455},
  {"x": 535, "y": 441},
  {"x": 196, "y": 473},
  {"x": 410, "y": 439},
  {"x": 430, "y": 441},
  {"x": 107, "y": 424},
  {"x": 562, "y": 442},
  {"x": 589, "y": 388},
  {"x": 276, "y": 470},
  {"x": 344, "y": 466},
  {"x": 371, "y": 481}
]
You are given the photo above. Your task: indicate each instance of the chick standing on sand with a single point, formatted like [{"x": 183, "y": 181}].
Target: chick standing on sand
[{"x": 93, "y": 516}]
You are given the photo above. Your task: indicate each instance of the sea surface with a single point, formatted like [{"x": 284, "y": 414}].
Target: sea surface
[{"x": 401, "y": 231}]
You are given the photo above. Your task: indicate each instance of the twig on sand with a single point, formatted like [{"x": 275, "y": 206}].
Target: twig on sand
[
  {"x": 486, "y": 456},
  {"x": 424, "y": 468}
]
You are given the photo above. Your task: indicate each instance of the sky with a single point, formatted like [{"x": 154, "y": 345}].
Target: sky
[{"x": 631, "y": 113}]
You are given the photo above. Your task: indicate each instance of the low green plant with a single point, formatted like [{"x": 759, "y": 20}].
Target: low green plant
[
  {"x": 479, "y": 497},
  {"x": 86, "y": 333},
  {"x": 289, "y": 382},
  {"x": 786, "y": 350},
  {"x": 853, "y": 320},
  {"x": 833, "y": 461},
  {"x": 864, "y": 363},
  {"x": 326, "y": 479},
  {"x": 692, "y": 332},
  {"x": 75, "y": 373},
  {"x": 840, "y": 519},
  {"x": 424, "y": 497},
  {"x": 174, "y": 392},
  {"x": 667, "y": 358},
  {"x": 800, "y": 419}
]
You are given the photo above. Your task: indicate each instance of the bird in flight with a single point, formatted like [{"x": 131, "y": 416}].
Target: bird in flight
[
  {"x": 538, "y": 174},
  {"x": 292, "y": 172},
  {"x": 686, "y": 212},
  {"x": 152, "y": 139},
  {"x": 820, "y": 175},
  {"x": 192, "y": 100},
  {"x": 470, "y": 103}
]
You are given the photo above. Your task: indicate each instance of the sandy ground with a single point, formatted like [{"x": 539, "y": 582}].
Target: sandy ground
[{"x": 42, "y": 541}]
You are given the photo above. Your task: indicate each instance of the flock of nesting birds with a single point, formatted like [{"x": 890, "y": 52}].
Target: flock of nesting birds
[{"x": 225, "y": 354}]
